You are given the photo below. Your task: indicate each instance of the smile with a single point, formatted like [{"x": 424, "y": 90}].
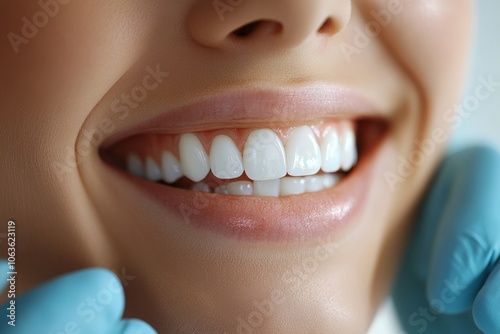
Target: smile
[{"x": 256, "y": 164}]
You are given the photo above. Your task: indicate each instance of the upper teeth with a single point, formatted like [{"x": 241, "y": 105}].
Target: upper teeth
[
  {"x": 303, "y": 156},
  {"x": 225, "y": 158},
  {"x": 264, "y": 159},
  {"x": 194, "y": 160},
  {"x": 264, "y": 156}
]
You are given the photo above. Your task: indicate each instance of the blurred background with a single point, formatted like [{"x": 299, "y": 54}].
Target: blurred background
[{"x": 481, "y": 127}]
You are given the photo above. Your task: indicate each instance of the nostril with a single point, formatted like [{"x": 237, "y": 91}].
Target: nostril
[
  {"x": 268, "y": 27},
  {"x": 328, "y": 27},
  {"x": 247, "y": 29}
]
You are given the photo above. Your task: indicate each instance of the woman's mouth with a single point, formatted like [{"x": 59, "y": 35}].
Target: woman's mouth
[{"x": 256, "y": 177}]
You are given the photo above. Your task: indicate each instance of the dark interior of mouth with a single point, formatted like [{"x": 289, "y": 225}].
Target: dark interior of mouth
[{"x": 369, "y": 134}]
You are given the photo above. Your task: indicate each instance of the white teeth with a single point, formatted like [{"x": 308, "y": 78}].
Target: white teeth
[
  {"x": 270, "y": 188},
  {"x": 265, "y": 162},
  {"x": 330, "y": 152},
  {"x": 264, "y": 156},
  {"x": 314, "y": 184},
  {"x": 153, "y": 172},
  {"x": 222, "y": 190},
  {"x": 225, "y": 158},
  {"x": 240, "y": 188},
  {"x": 201, "y": 186},
  {"x": 292, "y": 186},
  {"x": 170, "y": 167},
  {"x": 348, "y": 147},
  {"x": 135, "y": 166},
  {"x": 194, "y": 160},
  {"x": 330, "y": 180},
  {"x": 303, "y": 156}
]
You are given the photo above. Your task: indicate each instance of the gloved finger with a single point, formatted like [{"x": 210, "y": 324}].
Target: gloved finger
[
  {"x": 486, "y": 308},
  {"x": 4, "y": 268},
  {"x": 133, "y": 326},
  {"x": 85, "y": 301},
  {"x": 415, "y": 314},
  {"x": 429, "y": 216},
  {"x": 467, "y": 242}
]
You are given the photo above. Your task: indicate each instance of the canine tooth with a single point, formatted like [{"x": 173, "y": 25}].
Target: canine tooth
[
  {"x": 135, "y": 166},
  {"x": 153, "y": 172},
  {"x": 225, "y": 158},
  {"x": 349, "y": 151},
  {"x": 240, "y": 188},
  {"x": 270, "y": 188},
  {"x": 170, "y": 167},
  {"x": 314, "y": 184},
  {"x": 292, "y": 186},
  {"x": 201, "y": 186},
  {"x": 222, "y": 190},
  {"x": 194, "y": 160},
  {"x": 330, "y": 180},
  {"x": 331, "y": 153},
  {"x": 303, "y": 156},
  {"x": 264, "y": 156}
]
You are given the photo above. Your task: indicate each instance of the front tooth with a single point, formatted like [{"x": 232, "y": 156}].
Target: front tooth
[
  {"x": 270, "y": 188},
  {"x": 314, "y": 184},
  {"x": 153, "y": 172},
  {"x": 135, "y": 166},
  {"x": 349, "y": 151},
  {"x": 330, "y": 152},
  {"x": 194, "y": 160},
  {"x": 170, "y": 167},
  {"x": 303, "y": 156},
  {"x": 264, "y": 156},
  {"x": 225, "y": 158},
  {"x": 240, "y": 188},
  {"x": 292, "y": 186}
]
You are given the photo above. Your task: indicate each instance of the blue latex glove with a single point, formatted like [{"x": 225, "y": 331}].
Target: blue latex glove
[
  {"x": 449, "y": 281},
  {"x": 62, "y": 306}
]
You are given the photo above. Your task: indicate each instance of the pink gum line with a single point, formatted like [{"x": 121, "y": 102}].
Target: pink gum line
[{"x": 153, "y": 144}]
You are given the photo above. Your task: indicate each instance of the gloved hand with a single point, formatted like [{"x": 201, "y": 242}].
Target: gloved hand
[
  {"x": 89, "y": 301},
  {"x": 449, "y": 280}
]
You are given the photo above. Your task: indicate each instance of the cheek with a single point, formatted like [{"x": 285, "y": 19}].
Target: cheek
[
  {"x": 58, "y": 66},
  {"x": 431, "y": 40}
]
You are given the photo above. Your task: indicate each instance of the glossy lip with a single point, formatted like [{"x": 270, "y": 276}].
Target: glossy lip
[{"x": 291, "y": 218}]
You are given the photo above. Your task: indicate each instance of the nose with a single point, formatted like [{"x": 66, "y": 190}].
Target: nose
[{"x": 286, "y": 23}]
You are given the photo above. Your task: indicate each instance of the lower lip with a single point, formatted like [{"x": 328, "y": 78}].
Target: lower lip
[{"x": 273, "y": 219}]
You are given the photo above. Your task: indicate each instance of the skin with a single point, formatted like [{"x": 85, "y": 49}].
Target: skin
[{"x": 64, "y": 80}]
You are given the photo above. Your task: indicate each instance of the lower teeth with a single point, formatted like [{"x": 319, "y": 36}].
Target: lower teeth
[{"x": 284, "y": 186}]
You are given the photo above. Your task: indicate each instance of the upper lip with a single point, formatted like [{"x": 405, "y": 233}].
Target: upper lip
[{"x": 255, "y": 107}]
